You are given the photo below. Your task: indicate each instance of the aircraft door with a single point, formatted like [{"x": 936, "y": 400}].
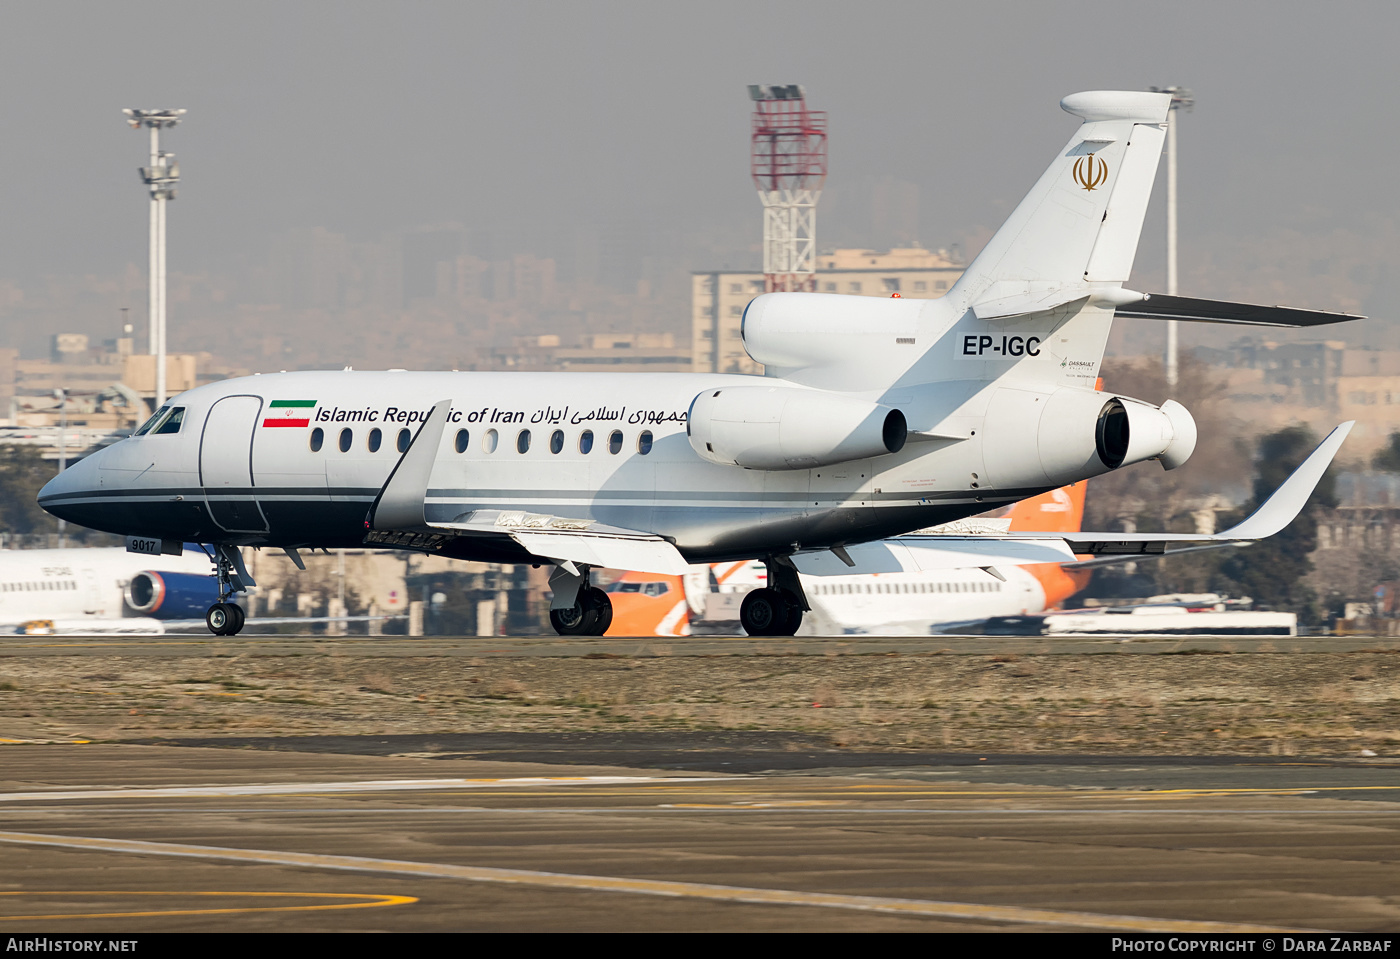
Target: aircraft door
[{"x": 226, "y": 464}]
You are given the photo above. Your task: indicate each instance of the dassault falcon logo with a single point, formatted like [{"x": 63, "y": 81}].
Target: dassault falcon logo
[{"x": 1090, "y": 171}]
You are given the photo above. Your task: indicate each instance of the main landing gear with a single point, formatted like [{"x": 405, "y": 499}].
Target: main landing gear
[
  {"x": 775, "y": 610},
  {"x": 591, "y": 613},
  {"x": 225, "y": 618},
  {"x": 770, "y": 612}
]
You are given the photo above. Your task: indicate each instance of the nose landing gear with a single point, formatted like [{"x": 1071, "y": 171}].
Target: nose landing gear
[{"x": 225, "y": 618}]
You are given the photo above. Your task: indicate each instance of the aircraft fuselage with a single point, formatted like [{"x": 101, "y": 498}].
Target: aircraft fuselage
[{"x": 296, "y": 460}]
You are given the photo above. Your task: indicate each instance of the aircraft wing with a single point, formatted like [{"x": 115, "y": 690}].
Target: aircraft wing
[
  {"x": 398, "y": 518},
  {"x": 564, "y": 540},
  {"x": 927, "y": 551},
  {"x": 1120, "y": 559}
]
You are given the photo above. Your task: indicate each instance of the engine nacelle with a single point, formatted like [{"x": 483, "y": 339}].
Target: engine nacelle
[
  {"x": 171, "y": 595},
  {"x": 795, "y": 330},
  {"x": 781, "y": 428},
  {"x": 1039, "y": 439}
]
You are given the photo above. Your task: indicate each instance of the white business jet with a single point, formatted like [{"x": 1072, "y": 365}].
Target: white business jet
[{"x": 874, "y": 417}]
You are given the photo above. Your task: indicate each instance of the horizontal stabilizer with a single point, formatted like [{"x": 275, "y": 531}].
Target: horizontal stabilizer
[
  {"x": 1032, "y": 301},
  {"x": 1161, "y": 307}
]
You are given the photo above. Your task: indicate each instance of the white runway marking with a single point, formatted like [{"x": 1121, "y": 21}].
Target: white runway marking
[
  {"x": 363, "y": 786},
  {"x": 650, "y": 887}
]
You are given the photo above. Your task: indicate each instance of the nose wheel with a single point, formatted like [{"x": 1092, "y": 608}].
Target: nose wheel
[{"x": 224, "y": 619}]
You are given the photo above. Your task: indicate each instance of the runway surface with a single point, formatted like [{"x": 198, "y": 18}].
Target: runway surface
[
  {"x": 202, "y": 644},
  {"x": 345, "y": 836}
]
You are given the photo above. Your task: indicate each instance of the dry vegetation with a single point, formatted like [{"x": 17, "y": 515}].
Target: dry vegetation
[{"x": 1249, "y": 704}]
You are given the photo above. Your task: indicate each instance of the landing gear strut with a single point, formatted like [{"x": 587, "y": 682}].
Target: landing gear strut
[
  {"x": 591, "y": 613},
  {"x": 225, "y": 618},
  {"x": 775, "y": 610}
]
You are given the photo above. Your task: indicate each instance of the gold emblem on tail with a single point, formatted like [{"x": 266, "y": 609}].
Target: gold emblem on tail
[{"x": 1090, "y": 171}]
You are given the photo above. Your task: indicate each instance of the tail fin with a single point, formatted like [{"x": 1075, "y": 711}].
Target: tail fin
[
  {"x": 1058, "y": 511},
  {"x": 1077, "y": 230}
]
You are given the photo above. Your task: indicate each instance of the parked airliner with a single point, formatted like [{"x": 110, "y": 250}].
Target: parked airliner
[
  {"x": 102, "y": 590},
  {"x": 902, "y": 603},
  {"x": 873, "y": 418}
]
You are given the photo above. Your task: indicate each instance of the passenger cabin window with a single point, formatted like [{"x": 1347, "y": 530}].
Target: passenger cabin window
[
  {"x": 464, "y": 438},
  {"x": 347, "y": 436},
  {"x": 585, "y": 441},
  {"x": 376, "y": 437},
  {"x": 556, "y": 441},
  {"x": 488, "y": 442},
  {"x": 405, "y": 437},
  {"x": 522, "y": 441},
  {"x": 318, "y": 436},
  {"x": 615, "y": 442},
  {"x": 644, "y": 442}
]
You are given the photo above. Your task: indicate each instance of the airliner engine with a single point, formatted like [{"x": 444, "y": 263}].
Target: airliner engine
[
  {"x": 781, "y": 428},
  {"x": 171, "y": 595},
  {"x": 1047, "y": 439}
]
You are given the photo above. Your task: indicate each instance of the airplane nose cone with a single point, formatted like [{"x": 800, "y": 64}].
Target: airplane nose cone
[{"x": 63, "y": 495}]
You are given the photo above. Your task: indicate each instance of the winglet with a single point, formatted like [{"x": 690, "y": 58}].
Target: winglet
[
  {"x": 399, "y": 504},
  {"x": 1289, "y": 499}
]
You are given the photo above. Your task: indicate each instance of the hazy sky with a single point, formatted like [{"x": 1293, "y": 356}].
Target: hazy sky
[{"x": 532, "y": 119}]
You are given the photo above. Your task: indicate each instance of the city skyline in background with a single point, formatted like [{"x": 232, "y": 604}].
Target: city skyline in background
[{"x": 413, "y": 186}]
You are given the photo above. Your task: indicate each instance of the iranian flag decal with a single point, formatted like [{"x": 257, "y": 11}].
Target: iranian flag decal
[{"x": 289, "y": 413}]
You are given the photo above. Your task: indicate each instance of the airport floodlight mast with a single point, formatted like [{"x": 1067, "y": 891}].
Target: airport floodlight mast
[
  {"x": 788, "y": 162},
  {"x": 1181, "y": 97},
  {"x": 162, "y": 176}
]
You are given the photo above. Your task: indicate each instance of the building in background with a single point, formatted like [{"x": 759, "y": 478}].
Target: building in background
[
  {"x": 718, "y": 298},
  {"x": 594, "y": 352},
  {"x": 1273, "y": 385}
]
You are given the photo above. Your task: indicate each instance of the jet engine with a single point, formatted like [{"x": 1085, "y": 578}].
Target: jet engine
[
  {"x": 781, "y": 428},
  {"x": 1048, "y": 439},
  {"x": 171, "y": 595},
  {"x": 795, "y": 330}
]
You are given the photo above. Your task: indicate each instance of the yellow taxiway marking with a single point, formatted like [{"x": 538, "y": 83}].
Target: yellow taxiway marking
[
  {"x": 650, "y": 887},
  {"x": 364, "y": 902},
  {"x": 374, "y": 785}
]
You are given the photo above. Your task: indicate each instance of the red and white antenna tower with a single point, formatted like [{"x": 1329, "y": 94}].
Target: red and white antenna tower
[{"x": 789, "y": 168}]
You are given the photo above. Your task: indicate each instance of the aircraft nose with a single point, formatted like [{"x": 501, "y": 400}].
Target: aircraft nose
[{"x": 63, "y": 495}]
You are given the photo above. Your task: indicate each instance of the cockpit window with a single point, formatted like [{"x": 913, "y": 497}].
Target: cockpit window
[
  {"x": 171, "y": 424},
  {"x": 156, "y": 417},
  {"x": 166, "y": 420}
]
